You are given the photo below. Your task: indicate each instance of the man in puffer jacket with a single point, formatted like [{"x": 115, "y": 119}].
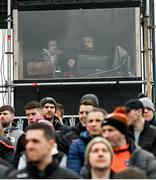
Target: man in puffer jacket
[{"x": 94, "y": 120}]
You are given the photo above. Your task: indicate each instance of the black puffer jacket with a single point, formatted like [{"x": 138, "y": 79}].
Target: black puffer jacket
[
  {"x": 61, "y": 128},
  {"x": 52, "y": 171},
  {"x": 147, "y": 139}
]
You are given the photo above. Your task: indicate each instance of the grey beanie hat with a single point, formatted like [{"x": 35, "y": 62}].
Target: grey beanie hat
[
  {"x": 147, "y": 103},
  {"x": 91, "y": 97}
]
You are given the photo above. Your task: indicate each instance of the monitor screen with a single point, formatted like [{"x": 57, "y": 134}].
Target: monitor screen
[{"x": 91, "y": 65}]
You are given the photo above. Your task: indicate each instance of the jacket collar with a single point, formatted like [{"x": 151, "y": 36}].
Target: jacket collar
[{"x": 35, "y": 172}]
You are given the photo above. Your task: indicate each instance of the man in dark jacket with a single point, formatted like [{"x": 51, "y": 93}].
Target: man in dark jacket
[
  {"x": 126, "y": 152},
  {"x": 94, "y": 120},
  {"x": 149, "y": 111},
  {"x": 40, "y": 140},
  {"x": 48, "y": 110},
  {"x": 140, "y": 130},
  {"x": 87, "y": 103}
]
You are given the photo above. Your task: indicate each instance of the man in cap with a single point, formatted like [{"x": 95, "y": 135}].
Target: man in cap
[
  {"x": 126, "y": 152},
  {"x": 140, "y": 130},
  {"x": 149, "y": 111},
  {"x": 48, "y": 110},
  {"x": 87, "y": 103},
  {"x": 98, "y": 159}
]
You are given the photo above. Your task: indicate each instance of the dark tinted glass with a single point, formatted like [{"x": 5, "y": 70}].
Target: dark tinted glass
[{"x": 84, "y": 43}]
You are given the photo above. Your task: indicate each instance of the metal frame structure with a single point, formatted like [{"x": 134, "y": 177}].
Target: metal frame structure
[{"x": 148, "y": 54}]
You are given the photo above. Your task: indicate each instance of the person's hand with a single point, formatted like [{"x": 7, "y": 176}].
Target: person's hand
[{"x": 71, "y": 62}]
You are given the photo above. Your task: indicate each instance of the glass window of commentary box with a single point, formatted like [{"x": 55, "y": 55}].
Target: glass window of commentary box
[{"x": 83, "y": 43}]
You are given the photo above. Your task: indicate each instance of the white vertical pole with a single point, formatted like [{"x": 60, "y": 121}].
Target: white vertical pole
[{"x": 9, "y": 53}]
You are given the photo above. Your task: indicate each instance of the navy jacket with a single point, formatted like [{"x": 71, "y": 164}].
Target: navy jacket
[{"x": 76, "y": 153}]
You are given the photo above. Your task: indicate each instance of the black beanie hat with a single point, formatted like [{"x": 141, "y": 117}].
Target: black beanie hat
[
  {"x": 134, "y": 104},
  {"x": 48, "y": 100},
  {"x": 118, "y": 121}
]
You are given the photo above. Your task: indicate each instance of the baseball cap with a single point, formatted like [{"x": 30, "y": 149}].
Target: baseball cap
[{"x": 133, "y": 104}]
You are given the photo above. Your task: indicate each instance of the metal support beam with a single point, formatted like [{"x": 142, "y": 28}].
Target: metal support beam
[
  {"x": 147, "y": 50},
  {"x": 77, "y": 83},
  {"x": 9, "y": 53}
]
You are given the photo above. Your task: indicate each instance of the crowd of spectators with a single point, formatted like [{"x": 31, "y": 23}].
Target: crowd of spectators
[{"x": 101, "y": 145}]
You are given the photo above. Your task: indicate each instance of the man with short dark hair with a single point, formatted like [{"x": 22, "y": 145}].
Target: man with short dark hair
[
  {"x": 87, "y": 103},
  {"x": 33, "y": 111},
  {"x": 40, "y": 139},
  {"x": 7, "y": 114}
]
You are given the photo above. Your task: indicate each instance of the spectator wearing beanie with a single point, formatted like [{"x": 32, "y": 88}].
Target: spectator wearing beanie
[
  {"x": 126, "y": 152},
  {"x": 149, "y": 112},
  {"x": 98, "y": 160},
  {"x": 91, "y": 97},
  {"x": 49, "y": 109},
  {"x": 142, "y": 133}
]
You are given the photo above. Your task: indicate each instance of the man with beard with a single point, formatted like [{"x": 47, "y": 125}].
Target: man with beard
[
  {"x": 48, "y": 110},
  {"x": 7, "y": 114}
]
